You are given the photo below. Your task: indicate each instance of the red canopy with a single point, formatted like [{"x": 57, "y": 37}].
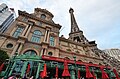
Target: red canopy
[
  {"x": 56, "y": 75},
  {"x": 88, "y": 73},
  {"x": 78, "y": 74},
  {"x": 1, "y": 67},
  {"x": 28, "y": 68},
  {"x": 44, "y": 72},
  {"x": 65, "y": 71},
  {"x": 116, "y": 74},
  {"x": 104, "y": 74}
]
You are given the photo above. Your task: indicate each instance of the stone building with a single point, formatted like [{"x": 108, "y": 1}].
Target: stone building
[
  {"x": 37, "y": 34},
  {"x": 113, "y": 53}
]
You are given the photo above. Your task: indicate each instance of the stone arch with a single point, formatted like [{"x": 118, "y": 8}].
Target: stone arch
[{"x": 37, "y": 53}]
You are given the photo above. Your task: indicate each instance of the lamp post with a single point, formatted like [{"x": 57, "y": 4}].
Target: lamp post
[{"x": 76, "y": 68}]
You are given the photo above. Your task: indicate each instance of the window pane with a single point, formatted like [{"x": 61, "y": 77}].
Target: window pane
[
  {"x": 43, "y": 16},
  {"x": 17, "y": 32},
  {"x": 25, "y": 19},
  {"x": 30, "y": 52},
  {"x": 36, "y": 36},
  {"x": 52, "y": 41}
]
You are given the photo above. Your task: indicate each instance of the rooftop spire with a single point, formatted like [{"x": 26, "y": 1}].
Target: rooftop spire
[
  {"x": 76, "y": 34},
  {"x": 74, "y": 26}
]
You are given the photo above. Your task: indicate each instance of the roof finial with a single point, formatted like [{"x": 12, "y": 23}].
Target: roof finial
[{"x": 71, "y": 10}]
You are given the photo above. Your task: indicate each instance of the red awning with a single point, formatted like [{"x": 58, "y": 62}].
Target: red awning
[
  {"x": 104, "y": 74},
  {"x": 88, "y": 73},
  {"x": 65, "y": 71},
  {"x": 28, "y": 68},
  {"x": 43, "y": 74},
  {"x": 116, "y": 74},
  {"x": 56, "y": 75},
  {"x": 78, "y": 74},
  {"x": 1, "y": 67}
]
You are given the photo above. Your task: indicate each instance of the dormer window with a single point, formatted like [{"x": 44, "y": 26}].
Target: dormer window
[{"x": 43, "y": 16}]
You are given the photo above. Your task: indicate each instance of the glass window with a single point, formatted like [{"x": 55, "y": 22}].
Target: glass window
[
  {"x": 50, "y": 53},
  {"x": 17, "y": 32},
  {"x": 30, "y": 52},
  {"x": 36, "y": 36},
  {"x": 52, "y": 39},
  {"x": 9, "y": 45},
  {"x": 25, "y": 19},
  {"x": 39, "y": 23},
  {"x": 43, "y": 16}
]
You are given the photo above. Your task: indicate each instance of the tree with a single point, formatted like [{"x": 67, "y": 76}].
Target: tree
[{"x": 3, "y": 56}]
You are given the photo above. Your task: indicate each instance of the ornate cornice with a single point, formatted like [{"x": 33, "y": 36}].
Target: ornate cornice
[
  {"x": 79, "y": 44},
  {"x": 45, "y": 11},
  {"x": 23, "y": 13},
  {"x": 73, "y": 53}
]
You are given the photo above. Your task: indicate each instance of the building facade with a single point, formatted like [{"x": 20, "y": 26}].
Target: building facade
[
  {"x": 6, "y": 17},
  {"x": 36, "y": 34},
  {"x": 113, "y": 53}
]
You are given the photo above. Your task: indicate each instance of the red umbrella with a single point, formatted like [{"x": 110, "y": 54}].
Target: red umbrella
[
  {"x": 104, "y": 74},
  {"x": 28, "y": 68},
  {"x": 44, "y": 72},
  {"x": 65, "y": 71},
  {"x": 88, "y": 73},
  {"x": 1, "y": 67},
  {"x": 116, "y": 74},
  {"x": 78, "y": 74},
  {"x": 56, "y": 75}
]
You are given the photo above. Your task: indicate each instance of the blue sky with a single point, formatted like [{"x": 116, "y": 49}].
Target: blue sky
[{"x": 99, "y": 19}]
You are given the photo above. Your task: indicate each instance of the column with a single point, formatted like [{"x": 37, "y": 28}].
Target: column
[
  {"x": 19, "y": 49},
  {"x": 24, "y": 68},
  {"x": 14, "y": 50},
  {"x": 25, "y": 30},
  {"x": 72, "y": 73},
  {"x": 48, "y": 37},
  {"x": 13, "y": 31},
  {"x": 45, "y": 35},
  {"x": 38, "y": 70},
  {"x": 28, "y": 31},
  {"x": 12, "y": 69}
]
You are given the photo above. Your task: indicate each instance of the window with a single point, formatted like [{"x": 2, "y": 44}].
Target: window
[
  {"x": 39, "y": 23},
  {"x": 43, "y": 16},
  {"x": 9, "y": 45},
  {"x": 36, "y": 36},
  {"x": 50, "y": 53},
  {"x": 17, "y": 32},
  {"x": 52, "y": 41},
  {"x": 25, "y": 19},
  {"x": 30, "y": 52}
]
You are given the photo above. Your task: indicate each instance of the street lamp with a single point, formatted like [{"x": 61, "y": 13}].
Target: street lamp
[{"x": 76, "y": 68}]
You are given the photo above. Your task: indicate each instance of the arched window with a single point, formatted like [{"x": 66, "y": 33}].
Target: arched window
[
  {"x": 36, "y": 36},
  {"x": 52, "y": 39},
  {"x": 30, "y": 52},
  {"x": 80, "y": 60},
  {"x": 91, "y": 62},
  {"x": 67, "y": 58},
  {"x": 18, "y": 32},
  {"x": 43, "y": 16}
]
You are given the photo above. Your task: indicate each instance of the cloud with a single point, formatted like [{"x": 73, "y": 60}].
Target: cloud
[{"x": 99, "y": 19}]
